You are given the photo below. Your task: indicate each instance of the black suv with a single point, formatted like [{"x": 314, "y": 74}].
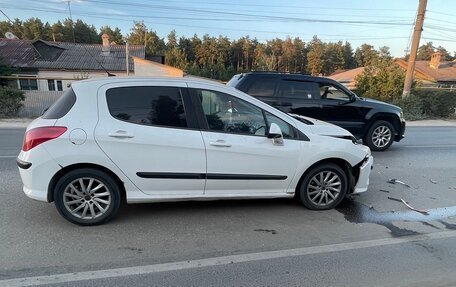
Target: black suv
[{"x": 377, "y": 123}]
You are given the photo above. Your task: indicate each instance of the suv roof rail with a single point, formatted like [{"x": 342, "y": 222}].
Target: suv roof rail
[{"x": 287, "y": 73}]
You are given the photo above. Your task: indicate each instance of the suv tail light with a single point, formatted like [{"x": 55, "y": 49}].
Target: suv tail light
[{"x": 40, "y": 135}]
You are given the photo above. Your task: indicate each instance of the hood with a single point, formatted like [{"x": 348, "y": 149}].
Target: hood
[
  {"x": 322, "y": 128},
  {"x": 378, "y": 103}
]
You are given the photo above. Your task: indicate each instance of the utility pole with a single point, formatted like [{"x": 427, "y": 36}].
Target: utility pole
[
  {"x": 71, "y": 19},
  {"x": 126, "y": 58},
  {"x": 414, "y": 49}
]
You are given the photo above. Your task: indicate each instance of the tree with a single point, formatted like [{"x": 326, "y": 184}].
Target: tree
[
  {"x": 382, "y": 80},
  {"x": 315, "y": 56},
  {"x": 114, "y": 35},
  {"x": 425, "y": 52},
  {"x": 140, "y": 35},
  {"x": 349, "y": 59},
  {"x": 365, "y": 55},
  {"x": 333, "y": 57}
]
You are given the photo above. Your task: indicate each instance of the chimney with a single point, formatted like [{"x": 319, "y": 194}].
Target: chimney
[
  {"x": 435, "y": 60},
  {"x": 106, "y": 49}
]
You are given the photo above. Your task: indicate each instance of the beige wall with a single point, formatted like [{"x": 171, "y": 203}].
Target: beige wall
[{"x": 149, "y": 68}]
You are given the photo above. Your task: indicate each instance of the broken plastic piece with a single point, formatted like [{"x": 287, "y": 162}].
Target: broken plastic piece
[
  {"x": 425, "y": 212},
  {"x": 394, "y": 181},
  {"x": 395, "y": 199}
]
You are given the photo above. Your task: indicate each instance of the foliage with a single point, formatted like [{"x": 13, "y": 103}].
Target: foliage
[
  {"x": 429, "y": 103},
  {"x": 220, "y": 57},
  {"x": 140, "y": 35},
  {"x": 114, "y": 35},
  {"x": 10, "y": 101},
  {"x": 382, "y": 80}
]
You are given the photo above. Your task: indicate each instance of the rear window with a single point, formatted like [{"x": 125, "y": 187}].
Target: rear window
[
  {"x": 62, "y": 106},
  {"x": 262, "y": 87},
  {"x": 299, "y": 89},
  {"x": 162, "y": 106}
]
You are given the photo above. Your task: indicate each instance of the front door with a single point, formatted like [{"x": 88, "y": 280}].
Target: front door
[
  {"x": 148, "y": 131},
  {"x": 241, "y": 160}
]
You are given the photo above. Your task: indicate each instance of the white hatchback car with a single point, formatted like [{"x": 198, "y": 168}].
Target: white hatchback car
[{"x": 173, "y": 139}]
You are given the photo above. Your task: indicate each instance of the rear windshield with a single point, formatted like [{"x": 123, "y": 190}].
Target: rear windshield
[{"x": 62, "y": 106}]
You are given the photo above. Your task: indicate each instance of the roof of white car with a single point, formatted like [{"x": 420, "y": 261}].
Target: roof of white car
[{"x": 107, "y": 80}]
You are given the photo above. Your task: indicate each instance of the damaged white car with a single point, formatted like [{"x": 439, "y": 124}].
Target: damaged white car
[{"x": 173, "y": 139}]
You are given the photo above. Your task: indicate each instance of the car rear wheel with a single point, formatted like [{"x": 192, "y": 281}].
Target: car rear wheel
[
  {"x": 380, "y": 136},
  {"x": 323, "y": 187},
  {"x": 87, "y": 197}
]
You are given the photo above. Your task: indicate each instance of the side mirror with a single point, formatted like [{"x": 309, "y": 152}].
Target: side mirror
[{"x": 275, "y": 133}]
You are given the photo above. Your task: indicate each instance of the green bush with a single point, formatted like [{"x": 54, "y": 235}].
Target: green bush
[
  {"x": 428, "y": 103},
  {"x": 11, "y": 100}
]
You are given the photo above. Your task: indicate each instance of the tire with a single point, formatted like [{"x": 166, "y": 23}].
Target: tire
[
  {"x": 317, "y": 196},
  {"x": 380, "y": 136},
  {"x": 85, "y": 207}
]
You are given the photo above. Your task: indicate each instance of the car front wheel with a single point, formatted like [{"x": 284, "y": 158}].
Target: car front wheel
[
  {"x": 323, "y": 187},
  {"x": 380, "y": 136},
  {"x": 87, "y": 196}
]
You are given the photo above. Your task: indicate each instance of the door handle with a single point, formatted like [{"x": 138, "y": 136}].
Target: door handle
[
  {"x": 121, "y": 134},
  {"x": 220, "y": 143}
]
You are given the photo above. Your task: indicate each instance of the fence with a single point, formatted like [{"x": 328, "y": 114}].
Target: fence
[{"x": 36, "y": 101}]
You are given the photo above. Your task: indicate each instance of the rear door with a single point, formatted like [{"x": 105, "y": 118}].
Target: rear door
[
  {"x": 149, "y": 131},
  {"x": 263, "y": 88},
  {"x": 300, "y": 97}
]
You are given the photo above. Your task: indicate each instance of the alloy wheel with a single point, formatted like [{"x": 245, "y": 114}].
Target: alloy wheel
[
  {"x": 381, "y": 136},
  {"x": 324, "y": 188},
  {"x": 87, "y": 198}
]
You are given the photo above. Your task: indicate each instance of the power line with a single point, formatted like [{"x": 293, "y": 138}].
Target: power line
[
  {"x": 286, "y": 19},
  {"x": 345, "y": 37},
  {"x": 275, "y": 6}
]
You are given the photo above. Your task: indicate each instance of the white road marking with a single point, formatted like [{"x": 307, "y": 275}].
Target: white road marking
[
  {"x": 216, "y": 261},
  {"x": 8, "y": 156},
  {"x": 430, "y": 146}
]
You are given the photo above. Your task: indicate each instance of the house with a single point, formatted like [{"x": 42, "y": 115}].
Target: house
[
  {"x": 52, "y": 66},
  {"x": 434, "y": 73}
]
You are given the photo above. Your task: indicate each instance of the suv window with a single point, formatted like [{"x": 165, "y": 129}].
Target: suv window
[
  {"x": 62, "y": 106},
  {"x": 330, "y": 92},
  {"x": 226, "y": 113},
  {"x": 162, "y": 106},
  {"x": 299, "y": 89},
  {"x": 262, "y": 87}
]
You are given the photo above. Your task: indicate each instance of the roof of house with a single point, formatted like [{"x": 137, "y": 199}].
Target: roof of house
[
  {"x": 40, "y": 54},
  {"x": 347, "y": 77},
  {"x": 446, "y": 71}
]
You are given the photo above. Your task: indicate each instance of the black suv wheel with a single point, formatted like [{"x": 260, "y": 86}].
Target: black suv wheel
[{"x": 380, "y": 136}]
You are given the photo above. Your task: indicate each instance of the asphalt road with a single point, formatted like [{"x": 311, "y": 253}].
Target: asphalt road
[{"x": 371, "y": 240}]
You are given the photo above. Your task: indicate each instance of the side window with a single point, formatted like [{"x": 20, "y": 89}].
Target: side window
[
  {"x": 162, "y": 106},
  {"x": 226, "y": 113},
  {"x": 287, "y": 130},
  {"x": 262, "y": 87},
  {"x": 299, "y": 89},
  {"x": 330, "y": 92}
]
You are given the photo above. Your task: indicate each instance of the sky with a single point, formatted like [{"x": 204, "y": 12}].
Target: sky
[{"x": 379, "y": 22}]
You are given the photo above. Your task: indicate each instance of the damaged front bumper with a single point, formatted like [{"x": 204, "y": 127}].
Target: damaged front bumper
[{"x": 364, "y": 172}]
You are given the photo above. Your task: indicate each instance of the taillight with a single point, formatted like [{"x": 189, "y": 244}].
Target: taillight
[{"x": 40, "y": 135}]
